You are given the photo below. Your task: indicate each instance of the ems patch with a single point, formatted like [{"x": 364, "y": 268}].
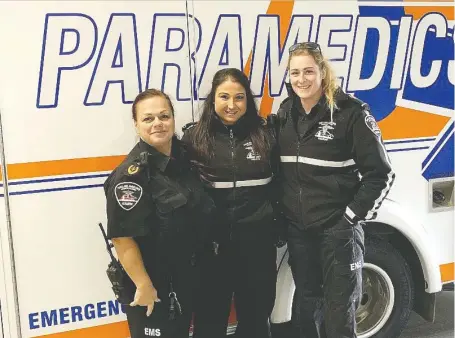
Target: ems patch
[
  {"x": 252, "y": 155},
  {"x": 128, "y": 194},
  {"x": 372, "y": 125},
  {"x": 323, "y": 133}
]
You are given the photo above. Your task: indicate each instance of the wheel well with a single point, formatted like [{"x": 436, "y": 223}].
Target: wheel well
[{"x": 406, "y": 249}]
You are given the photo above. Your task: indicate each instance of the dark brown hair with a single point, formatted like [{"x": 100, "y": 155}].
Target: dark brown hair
[
  {"x": 204, "y": 140},
  {"x": 147, "y": 94}
]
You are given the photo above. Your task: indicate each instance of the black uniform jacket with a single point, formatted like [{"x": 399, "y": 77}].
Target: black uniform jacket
[
  {"x": 335, "y": 166},
  {"x": 239, "y": 181},
  {"x": 160, "y": 202}
]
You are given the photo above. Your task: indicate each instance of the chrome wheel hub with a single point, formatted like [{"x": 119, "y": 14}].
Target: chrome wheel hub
[{"x": 377, "y": 301}]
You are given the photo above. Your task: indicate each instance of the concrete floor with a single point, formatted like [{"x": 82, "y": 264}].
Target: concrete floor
[{"x": 443, "y": 327}]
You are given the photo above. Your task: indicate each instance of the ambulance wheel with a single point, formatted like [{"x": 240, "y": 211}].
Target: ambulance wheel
[{"x": 388, "y": 292}]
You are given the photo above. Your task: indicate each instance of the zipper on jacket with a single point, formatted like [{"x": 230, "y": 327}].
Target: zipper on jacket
[
  {"x": 232, "y": 143},
  {"x": 298, "y": 176}
]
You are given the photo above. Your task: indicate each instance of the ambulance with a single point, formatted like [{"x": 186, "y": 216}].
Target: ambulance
[{"x": 69, "y": 71}]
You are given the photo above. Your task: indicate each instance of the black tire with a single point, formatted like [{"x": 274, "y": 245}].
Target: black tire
[{"x": 382, "y": 254}]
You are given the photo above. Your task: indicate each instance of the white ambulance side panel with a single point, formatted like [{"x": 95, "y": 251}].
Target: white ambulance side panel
[
  {"x": 68, "y": 74},
  {"x": 10, "y": 321},
  {"x": 69, "y": 97},
  {"x": 7, "y": 301}
]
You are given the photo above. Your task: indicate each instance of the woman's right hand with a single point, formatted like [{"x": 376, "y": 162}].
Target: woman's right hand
[{"x": 146, "y": 295}]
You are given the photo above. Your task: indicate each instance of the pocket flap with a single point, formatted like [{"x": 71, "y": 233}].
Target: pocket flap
[{"x": 170, "y": 201}]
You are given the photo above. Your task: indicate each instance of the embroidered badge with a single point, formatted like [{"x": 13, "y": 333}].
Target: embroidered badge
[
  {"x": 252, "y": 155},
  {"x": 128, "y": 194},
  {"x": 323, "y": 134},
  {"x": 372, "y": 125},
  {"x": 133, "y": 169}
]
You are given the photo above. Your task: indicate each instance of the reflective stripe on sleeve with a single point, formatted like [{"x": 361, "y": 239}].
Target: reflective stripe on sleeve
[
  {"x": 350, "y": 213},
  {"x": 384, "y": 192}
]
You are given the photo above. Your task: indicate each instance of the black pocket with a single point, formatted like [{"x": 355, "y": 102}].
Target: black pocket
[
  {"x": 167, "y": 195},
  {"x": 348, "y": 184},
  {"x": 347, "y": 243},
  {"x": 141, "y": 326},
  {"x": 169, "y": 201},
  {"x": 336, "y": 190}
]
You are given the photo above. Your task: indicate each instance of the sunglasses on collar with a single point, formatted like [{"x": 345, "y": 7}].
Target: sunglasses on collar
[{"x": 305, "y": 45}]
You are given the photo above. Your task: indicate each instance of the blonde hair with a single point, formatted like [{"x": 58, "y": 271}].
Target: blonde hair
[{"x": 329, "y": 85}]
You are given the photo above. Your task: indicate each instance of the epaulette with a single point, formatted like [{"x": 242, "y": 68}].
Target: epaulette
[
  {"x": 285, "y": 104},
  {"x": 274, "y": 124},
  {"x": 358, "y": 101},
  {"x": 271, "y": 120},
  {"x": 285, "y": 101},
  {"x": 138, "y": 164},
  {"x": 284, "y": 109},
  {"x": 188, "y": 126}
]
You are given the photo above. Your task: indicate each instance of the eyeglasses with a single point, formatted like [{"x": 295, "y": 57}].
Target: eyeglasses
[{"x": 305, "y": 45}]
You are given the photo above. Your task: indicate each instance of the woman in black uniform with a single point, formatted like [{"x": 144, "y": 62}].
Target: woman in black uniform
[
  {"x": 234, "y": 152},
  {"x": 335, "y": 174},
  {"x": 157, "y": 214}
]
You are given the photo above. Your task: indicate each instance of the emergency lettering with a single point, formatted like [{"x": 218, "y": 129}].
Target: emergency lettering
[{"x": 74, "y": 314}]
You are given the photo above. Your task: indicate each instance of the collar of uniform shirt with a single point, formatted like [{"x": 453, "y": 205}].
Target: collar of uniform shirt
[
  {"x": 158, "y": 159},
  {"x": 239, "y": 128},
  {"x": 300, "y": 114}
]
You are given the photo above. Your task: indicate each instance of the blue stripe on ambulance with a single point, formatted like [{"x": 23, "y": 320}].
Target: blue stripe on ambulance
[{"x": 441, "y": 157}]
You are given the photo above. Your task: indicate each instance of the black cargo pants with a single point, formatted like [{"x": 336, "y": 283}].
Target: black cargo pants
[
  {"x": 246, "y": 271},
  {"x": 159, "y": 324},
  {"x": 327, "y": 270}
]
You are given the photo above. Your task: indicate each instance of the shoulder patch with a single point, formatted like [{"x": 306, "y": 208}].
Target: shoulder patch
[
  {"x": 128, "y": 194},
  {"x": 372, "y": 124},
  {"x": 133, "y": 169}
]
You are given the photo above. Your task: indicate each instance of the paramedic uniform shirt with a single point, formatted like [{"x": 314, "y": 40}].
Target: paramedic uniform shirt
[
  {"x": 162, "y": 206},
  {"x": 130, "y": 210},
  {"x": 305, "y": 121}
]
